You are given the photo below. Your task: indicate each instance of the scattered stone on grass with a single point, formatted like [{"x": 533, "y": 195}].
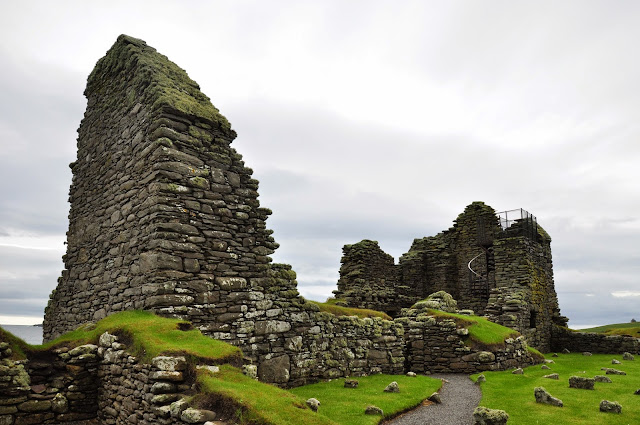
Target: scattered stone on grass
[
  {"x": 627, "y": 356},
  {"x": 412, "y": 374},
  {"x": 614, "y": 361},
  {"x": 581, "y": 382},
  {"x": 610, "y": 406},
  {"x": 542, "y": 396},
  {"x": 586, "y": 353},
  {"x": 552, "y": 376},
  {"x": 481, "y": 379},
  {"x": 610, "y": 371},
  {"x": 518, "y": 371},
  {"x": 565, "y": 351},
  {"x": 373, "y": 410},
  {"x": 554, "y": 355},
  {"x": 637, "y": 392},
  {"x": 485, "y": 416},
  {"x": 435, "y": 398},
  {"x": 602, "y": 378},
  {"x": 313, "y": 404},
  {"x": 545, "y": 367},
  {"x": 350, "y": 383},
  {"x": 549, "y": 361},
  {"x": 392, "y": 388}
]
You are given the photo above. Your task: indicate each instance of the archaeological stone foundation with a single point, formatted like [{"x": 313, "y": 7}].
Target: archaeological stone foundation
[{"x": 165, "y": 217}]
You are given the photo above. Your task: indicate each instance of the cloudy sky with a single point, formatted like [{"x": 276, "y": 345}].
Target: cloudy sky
[{"x": 362, "y": 119}]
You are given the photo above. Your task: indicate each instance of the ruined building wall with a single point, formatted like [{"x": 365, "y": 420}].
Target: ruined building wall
[
  {"x": 165, "y": 217},
  {"x": 512, "y": 283},
  {"x": 525, "y": 298},
  {"x": 368, "y": 278}
]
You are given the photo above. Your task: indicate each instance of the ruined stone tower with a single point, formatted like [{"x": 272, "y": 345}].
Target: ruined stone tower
[{"x": 163, "y": 211}]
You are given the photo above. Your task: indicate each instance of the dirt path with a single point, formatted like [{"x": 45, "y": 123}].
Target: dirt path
[{"x": 459, "y": 397}]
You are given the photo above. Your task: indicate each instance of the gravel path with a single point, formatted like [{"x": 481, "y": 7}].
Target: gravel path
[{"x": 459, "y": 397}]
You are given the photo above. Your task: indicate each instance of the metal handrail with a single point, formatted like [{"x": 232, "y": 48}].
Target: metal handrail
[{"x": 478, "y": 275}]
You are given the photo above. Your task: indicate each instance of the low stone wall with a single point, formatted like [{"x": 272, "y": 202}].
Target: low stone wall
[
  {"x": 55, "y": 387},
  {"x": 438, "y": 346},
  {"x": 592, "y": 342},
  {"x": 91, "y": 385}
]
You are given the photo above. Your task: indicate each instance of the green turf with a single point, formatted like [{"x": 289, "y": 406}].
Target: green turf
[
  {"x": 346, "y": 406},
  {"x": 149, "y": 336},
  {"x": 337, "y": 310},
  {"x": 253, "y": 402},
  {"x": 481, "y": 331},
  {"x": 631, "y": 329},
  {"x": 514, "y": 393}
]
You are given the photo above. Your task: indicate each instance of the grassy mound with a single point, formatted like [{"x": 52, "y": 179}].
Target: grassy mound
[
  {"x": 148, "y": 336},
  {"x": 253, "y": 402},
  {"x": 482, "y": 332},
  {"x": 630, "y": 329},
  {"x": 17, "y": 345},
  {"x": 514, "y": 393},
  {"x": 346, "y": 406},
  {"x": 337, "y": 310}
]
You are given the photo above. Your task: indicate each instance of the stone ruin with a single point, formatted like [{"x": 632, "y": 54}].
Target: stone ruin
[
  {"x": 165, "y": 217},
  {"x": 498, "y": 265}
]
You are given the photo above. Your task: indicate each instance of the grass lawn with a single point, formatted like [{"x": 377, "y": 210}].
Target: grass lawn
[
  {"x": 346, "y": 406},
  {"x": 631, "y": 329},
  {"x": 362, "y": 313},
  {"x": 514, "y": 393}
]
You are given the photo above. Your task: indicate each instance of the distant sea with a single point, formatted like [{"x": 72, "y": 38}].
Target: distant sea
[{"x": 31, "y": 334}]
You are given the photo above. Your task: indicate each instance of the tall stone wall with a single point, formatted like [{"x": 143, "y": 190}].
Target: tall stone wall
[
  {"x": 369, "y": 278},
  {"x": 525, "y": 298},
  {"x": 163, "y": 210}
]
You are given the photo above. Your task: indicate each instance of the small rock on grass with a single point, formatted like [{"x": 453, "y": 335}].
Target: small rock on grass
[
  {"x": 412, "y": 374},
  {"x": 586, "y": 353},
  {"x": 481, "y": 379},
  {"x": 566, "y": 351},
  {"x": 350, "y": 383},
  {"x": 485, "y": 416},
  {"x": 610, "y": 406},
  {"x": 637, "y": 392},
  {"x": 627, "y": 356},
  {"x": 614, "y": 361},
  {"x": 610, "y": 371},
  {"x": 542, "y": 396},
  {"x": 552, "y": 376},
  {"x": 373, "y": 410},
  {"x": 313, "y": 404},
  {"x": 554, "y": 355},
  {"x": 392, "y": 388},
  {"x": 545, "y": 367},
  {"x": 518, "y": 371},
  {"x": 602, "y": 378}
]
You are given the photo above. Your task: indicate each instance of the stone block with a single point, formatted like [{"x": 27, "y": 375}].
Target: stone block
[
  {"x": 170, "y": 363},
  {"x": 485, "y": 416},
  {"x": 610, "y": 406},
  {"x": 581, "y": 382},
  {"x": 542, "y": 396},
  {"x": 275, "y": 370}
]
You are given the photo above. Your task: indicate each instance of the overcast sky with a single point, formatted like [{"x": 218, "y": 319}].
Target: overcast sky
[{"x": 361, "y": 119}]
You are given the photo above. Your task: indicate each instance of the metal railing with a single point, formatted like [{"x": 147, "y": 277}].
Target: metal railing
[{"x": 518, "y": 221}]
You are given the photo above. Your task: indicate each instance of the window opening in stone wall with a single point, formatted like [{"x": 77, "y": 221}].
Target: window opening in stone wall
[{"x": 532, "y": 319}]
